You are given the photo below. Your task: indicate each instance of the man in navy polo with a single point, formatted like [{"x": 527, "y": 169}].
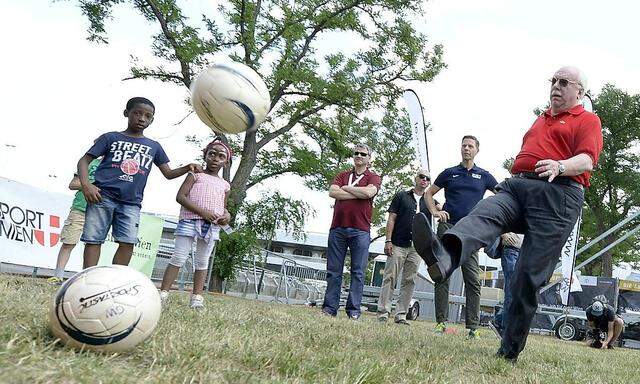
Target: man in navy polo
[{"x": 464, "y": 186}]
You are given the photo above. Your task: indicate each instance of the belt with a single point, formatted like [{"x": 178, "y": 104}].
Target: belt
[{"x": 563, "y": 180}]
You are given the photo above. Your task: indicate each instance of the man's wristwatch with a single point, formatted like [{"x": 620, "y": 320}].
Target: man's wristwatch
[{"x": 561, "y": 168}]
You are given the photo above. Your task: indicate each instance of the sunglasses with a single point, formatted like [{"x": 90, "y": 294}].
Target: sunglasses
[
  {"x": 361, "y": 154},
  {"x": 424, "y": 177},
  {"x": 563, "y": 82}
]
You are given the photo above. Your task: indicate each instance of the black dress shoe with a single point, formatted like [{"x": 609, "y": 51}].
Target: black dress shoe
[{"x": 430, "y": 249}]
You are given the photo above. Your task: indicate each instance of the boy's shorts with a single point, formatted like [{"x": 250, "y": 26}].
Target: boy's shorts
[
  {"x": 99, "y": 217},
  {"x": 72, "y": 228}
]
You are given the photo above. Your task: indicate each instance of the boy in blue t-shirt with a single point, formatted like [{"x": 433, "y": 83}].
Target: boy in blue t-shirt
[{"x": 114, "y": 197}]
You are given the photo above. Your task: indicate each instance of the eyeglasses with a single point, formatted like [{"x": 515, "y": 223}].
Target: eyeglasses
[
  {"x": 424, "y": 177},
  {"x": 361, "y": 154},
  {"x": 563, "y": 82}
]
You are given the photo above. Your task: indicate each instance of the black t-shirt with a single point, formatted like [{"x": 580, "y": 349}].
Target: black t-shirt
[
  {"x": 404, "y": 206},
  {"x": 602, "y": 321}
]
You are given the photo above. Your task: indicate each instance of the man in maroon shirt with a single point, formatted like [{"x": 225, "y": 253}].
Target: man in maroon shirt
[
  {"x": 542, "y": 200},
  {"x": 353, "y": 191}
]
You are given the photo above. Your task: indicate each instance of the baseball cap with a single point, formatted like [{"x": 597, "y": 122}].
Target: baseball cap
[{"x": 597, "y": 308}]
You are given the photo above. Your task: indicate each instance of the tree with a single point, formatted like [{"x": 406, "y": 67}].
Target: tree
[
  {"x": 615, "y": 184},
  {"x": 324, "y": 96}
]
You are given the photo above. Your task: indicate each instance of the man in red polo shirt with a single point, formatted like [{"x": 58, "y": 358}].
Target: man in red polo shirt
[
  {"x": 542, "y": 200},
  {"x": 353, "y": 191}
]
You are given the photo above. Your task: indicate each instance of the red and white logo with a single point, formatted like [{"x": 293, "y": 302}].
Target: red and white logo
[
  {"x": 129, "y": 166},
  {"x": 54, "y": 222}
]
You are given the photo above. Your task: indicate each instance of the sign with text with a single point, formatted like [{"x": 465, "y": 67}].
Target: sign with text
[{"x": 31, "y": 220}]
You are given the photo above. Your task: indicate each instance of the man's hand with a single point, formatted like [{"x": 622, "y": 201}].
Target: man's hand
[
  {"x": 510, "y": 239},
  {"x": 548, "y": 168},
  {"x": 91, "y": 193},
  {"x": 195, "y": 168},
  {"x": 388, "y": 247},
  {"x": 443, "y": 216}
]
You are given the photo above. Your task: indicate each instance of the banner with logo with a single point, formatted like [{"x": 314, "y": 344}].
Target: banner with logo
[
  {"x": 414, "y": 108},
  {"x": 145, "y": 250},
  {"x": 568, "y": 257},
  {"x": 31, "y": 220}
]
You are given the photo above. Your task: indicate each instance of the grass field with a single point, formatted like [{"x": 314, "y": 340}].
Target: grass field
[{"x": 244, "y": 341}]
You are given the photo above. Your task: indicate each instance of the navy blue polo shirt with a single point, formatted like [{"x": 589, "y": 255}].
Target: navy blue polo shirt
[{"x": 463, "y": 189}]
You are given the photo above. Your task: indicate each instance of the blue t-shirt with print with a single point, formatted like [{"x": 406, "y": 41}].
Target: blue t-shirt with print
[
  {"x": 122, "y": 174},
  {"x": 463, "y": 189}
]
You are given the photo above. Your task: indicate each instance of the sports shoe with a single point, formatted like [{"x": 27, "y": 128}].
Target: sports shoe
[
  {"x": 474, "y": 334},
  {"x": 430, "y": 249},
  {"x": 354, "y": 317},
  {"x": 401, "y": 322},
  {"x": 497, "y": 330},
  {"x": 55, "y": 280},
  {"x": 164, "y": 295},
  {"x": 196, "y": 302},
  {"x": 440, "y": 328},
  {"x": 383, "y": 317}
]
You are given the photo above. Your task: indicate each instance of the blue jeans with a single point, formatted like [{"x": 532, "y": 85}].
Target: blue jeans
[
  {"x": 99, "y": 217},
  {"x": 509, "y": 258},
  {"x": 358, "y": 243}
]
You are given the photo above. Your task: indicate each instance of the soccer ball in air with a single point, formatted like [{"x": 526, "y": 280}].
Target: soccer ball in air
[
  {"x": 230, "y": 98},
  {"x": 109, "y": 308}
]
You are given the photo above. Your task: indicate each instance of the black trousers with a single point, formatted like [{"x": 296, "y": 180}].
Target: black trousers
[{"x": 545, "y": 213}]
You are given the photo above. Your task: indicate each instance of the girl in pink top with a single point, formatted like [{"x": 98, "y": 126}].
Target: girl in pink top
[{"x": 203, "y": 197}]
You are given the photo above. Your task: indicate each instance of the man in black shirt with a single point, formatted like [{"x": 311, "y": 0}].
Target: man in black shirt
[
  {"x": 602, "y": 318},
  {"x": 399, "y": 249}
]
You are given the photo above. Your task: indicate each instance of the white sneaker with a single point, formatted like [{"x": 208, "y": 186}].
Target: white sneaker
[
  {"x": 196, "y": 302},
  {"x": 163, "y": 296}
]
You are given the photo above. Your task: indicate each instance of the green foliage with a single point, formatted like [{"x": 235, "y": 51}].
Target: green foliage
[
  {"x": 321, "y": 90},
  {"x": 334, "y": 70},
  {"x": 275, "y": 211},
  {"x": 232, "y": 250},
  {"x": 615, "y": 184}
]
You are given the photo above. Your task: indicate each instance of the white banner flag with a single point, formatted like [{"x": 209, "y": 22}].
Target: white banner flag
[
  {"x": 569, "y": 278},
  {"x": 414, "y": 108}
]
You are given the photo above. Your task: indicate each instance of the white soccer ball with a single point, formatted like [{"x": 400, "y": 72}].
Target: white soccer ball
[
  {"x": 105, "y": 308},
  {"x": 230, "y": 97}
]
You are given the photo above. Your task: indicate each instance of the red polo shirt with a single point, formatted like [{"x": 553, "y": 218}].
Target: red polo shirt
[
  {"x": 354, "y": 213},
  {"x": 561, "y": 137}
]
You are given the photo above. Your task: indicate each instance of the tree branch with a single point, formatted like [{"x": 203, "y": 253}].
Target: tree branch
[
  {"x": 260, "y": 178},
  {"x": 154, "y": 74},
  {"x": 184, "y": 67},
  {"x": 307, "y": 44},
  {"x": 292, "y": 122}
]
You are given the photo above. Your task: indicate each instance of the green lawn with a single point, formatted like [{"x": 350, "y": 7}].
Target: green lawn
[{"x": 240, "y": 340}]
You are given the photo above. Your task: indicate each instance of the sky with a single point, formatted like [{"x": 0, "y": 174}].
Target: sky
[{"x": 60, "y": 91}]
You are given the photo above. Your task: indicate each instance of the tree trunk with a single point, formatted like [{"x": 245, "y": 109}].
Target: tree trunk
[
  {"x": 607, "y": 264},
  {"x": 215, "y": 285},
  {"x": 247, "y": 163}
]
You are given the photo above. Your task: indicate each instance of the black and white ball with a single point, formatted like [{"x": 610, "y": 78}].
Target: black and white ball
[
  {"x": 105, "y": 308},
  {"x": 230, "y": 97}
]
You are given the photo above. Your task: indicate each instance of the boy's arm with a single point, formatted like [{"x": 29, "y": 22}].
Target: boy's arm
[
  {"x": 74, "y": 184},
  {"x": 169, "y": 173},
  {"x": 91, "y": 192}
]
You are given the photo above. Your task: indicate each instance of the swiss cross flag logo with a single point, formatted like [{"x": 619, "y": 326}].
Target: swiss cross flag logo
[{"x": 54, "y": 237}]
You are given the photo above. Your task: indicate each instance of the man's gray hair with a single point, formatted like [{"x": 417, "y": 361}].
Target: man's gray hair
[
  {"x": 584, "y": 82},
  {"x": 365, "y": 146}
]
